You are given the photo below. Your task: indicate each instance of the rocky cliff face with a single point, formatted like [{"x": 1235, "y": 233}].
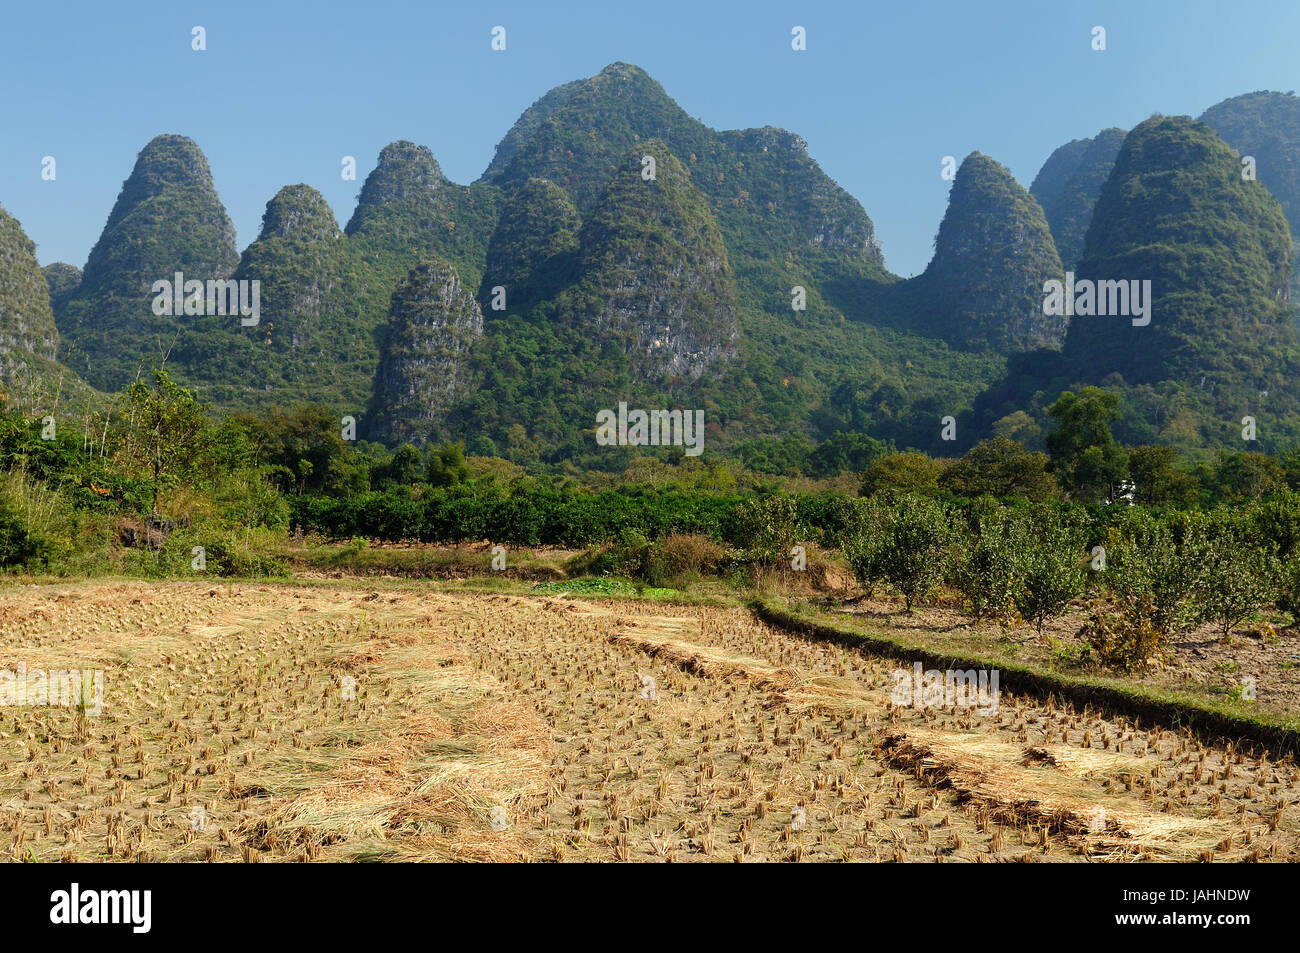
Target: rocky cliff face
[
  {"x": 299, "y": 259},
  {"x": 655, "y": 272},
  {"x": 994, "y": 251},
  {"x": 30, "y": 377},
  {"x": 26, "y": 321},
  {"x": 424, "y": 365}
]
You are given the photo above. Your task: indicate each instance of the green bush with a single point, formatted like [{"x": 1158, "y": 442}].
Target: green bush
[
  {"x": 863, "y": 542},
  {"x": 915, "y": 544},
  {"x": 1051, "y": 561},
  {"x": 1240, "y": 574},
  {"x": 985, "y": 560},
  {"x": 1163, "y": 560},
  {"x": 767, "y": 529},
  {"x": 18, "y": 547}
]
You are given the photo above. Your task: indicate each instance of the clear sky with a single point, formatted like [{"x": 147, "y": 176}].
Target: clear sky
[{"x": 882, "y": 93}]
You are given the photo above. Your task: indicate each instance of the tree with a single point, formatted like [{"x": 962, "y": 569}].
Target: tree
[
  {"x": 1162, "y": 560},
  {"x": 1000, "y": 468},
  {"x": 447, "y": 465},
  {"x": 1239, "y": 575},
  {"x": 912, "y": 555},
  {"x": 862, "y": 540},
  {"x": 841, "y": 452},
  {"x": 1156, "y": 480},
  {"x": 1084, "y": 455},
  {"x": 1051, "y": 564},
  {"x": 985, "y": 560},
  {"x": 166, "y": 429},
  {"x": 904, "y": 472},
  {"x": 307, "y": 442},
  {"x": 767, "y": 528},
  {"x": 402, "y": 470},
  {"x": 1241, "y": 476}
]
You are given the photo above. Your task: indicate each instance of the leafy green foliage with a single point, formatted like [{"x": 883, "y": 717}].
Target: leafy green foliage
[
  {"x": 1239, "y": 575},
  {"x": 1050, "y": 568},
  {"x": 1161, "y": 564},
  {"x": 768, "y": 529},
  {"x": 1085, "y": 457},
  {"x": 916, "y": 535},
  {"x": 985, "y": 560},
  {"x": 166, "y": 430},
  {"x": 1000, "y": 468},
  {"x": 903, "y": 473}
]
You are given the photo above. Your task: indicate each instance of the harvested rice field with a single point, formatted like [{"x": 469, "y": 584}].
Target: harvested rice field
[{"x": 265, "y": 722}]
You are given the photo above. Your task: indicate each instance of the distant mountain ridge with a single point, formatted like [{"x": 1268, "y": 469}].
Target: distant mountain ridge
[{"x": 736, "y": 278}]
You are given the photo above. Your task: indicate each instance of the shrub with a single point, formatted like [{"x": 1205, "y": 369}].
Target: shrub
[
  {"x": 1239, "y": 576},
  {"x": 1288, "y": 587},
  {"x": 985, "y": 560},
  {"x": 682, "y": 553},
  {"x": 1051, "y": 565},
  {"x": 18, "y": 546},
  {"x": 766, "y": 529},
  {"x": 915, "y": 540},
  {"x": 1127, "y": 639},
  {"x": 1162, "y": 559},
  {"x": 863, "y": 544}
]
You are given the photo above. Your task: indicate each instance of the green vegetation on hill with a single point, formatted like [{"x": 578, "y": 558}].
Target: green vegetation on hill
[
  {"x": 30, "y": 375},
  {"x": 63, "y": 280},
  {"x": 1070, "y": 212},
  {"x": 1266, "y": 127},
  {"x": 1217, "y": 251},
  {"x": 983, "y": 288},
  {"x": 533, "y": 251},
  {"x": 310, "y": 344},
  {"x": 167, "y": 219},
  {"x": 1050, "y": 181},
  {"x": 684, "y": 291}
]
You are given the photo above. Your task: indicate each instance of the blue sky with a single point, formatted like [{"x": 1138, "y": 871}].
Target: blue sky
[{"x": 882, "y": 93}]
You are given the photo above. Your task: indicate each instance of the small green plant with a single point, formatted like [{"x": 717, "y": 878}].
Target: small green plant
[{"x": 1063, "y": 653}]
